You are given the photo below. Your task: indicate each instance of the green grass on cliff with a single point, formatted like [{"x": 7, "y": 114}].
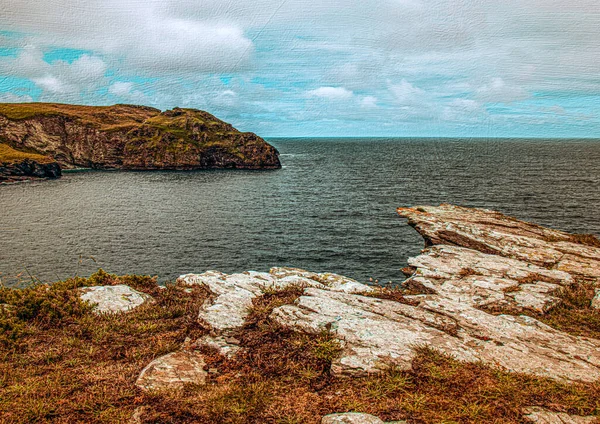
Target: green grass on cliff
[
  {"x": 9, "y": 155},
  {"x": 60, "y": 363},
  {"x": 103, "y": 117}
]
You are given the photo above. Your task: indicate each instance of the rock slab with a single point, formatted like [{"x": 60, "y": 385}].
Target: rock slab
[
  {"x": 114, "y": 299},
  {"x": 173, "y": 371},
  {"x": 476, "y": 259},
  {"x": 539, "y": 415}
]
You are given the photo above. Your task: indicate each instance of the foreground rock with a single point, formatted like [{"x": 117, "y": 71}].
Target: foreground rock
[
  {"x": 173, "y": 371},
  {"x": 114, "y": 299},
  {"x": 234, "y": 293},
  {"x": 539, "y": 415},
  {"x": 354, "y": 418},
  {"x": 379, "y": 333},
  {"x": 483, "y": 280},
  {"x": 21, "y": 166},
  {"x": 132, "y": 137},
  {"x": 472, "y": 273},
  {"x": 489, "y": 261}
]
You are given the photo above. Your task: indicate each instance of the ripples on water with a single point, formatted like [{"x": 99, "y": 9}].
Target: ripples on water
[{"x": 331, "y": 207}]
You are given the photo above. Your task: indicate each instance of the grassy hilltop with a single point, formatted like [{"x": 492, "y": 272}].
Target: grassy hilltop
[{"x": 131, "y": 137}]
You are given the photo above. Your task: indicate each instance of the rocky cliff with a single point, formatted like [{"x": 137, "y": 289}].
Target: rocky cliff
[
  {"x": 19, "y": 166},
  {"x": 497, "y": 322},
  {"x": 132, "y": 137}
]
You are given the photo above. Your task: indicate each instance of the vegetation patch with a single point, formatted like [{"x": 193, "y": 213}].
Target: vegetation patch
[
  {"x": 64, "y": 364},
  {"x": 8, "y": 155},
  {"x": 103, "y": 117},
  {"x": 575, "y": 314}
]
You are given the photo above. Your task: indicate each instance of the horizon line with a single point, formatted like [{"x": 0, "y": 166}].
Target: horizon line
[{"x": 440, "y": 137}]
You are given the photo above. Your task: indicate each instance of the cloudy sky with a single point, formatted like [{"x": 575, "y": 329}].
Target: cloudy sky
[{"x": 487, "y": 68}]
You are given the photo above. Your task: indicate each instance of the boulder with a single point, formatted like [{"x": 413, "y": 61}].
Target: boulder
[
  {"x": 355, "y": 418},
  {"x": 173, "y": 371},
  {"x": 114, "y": 299}
]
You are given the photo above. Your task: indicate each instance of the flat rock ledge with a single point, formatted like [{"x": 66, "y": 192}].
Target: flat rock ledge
[
  {"x": 114, "y": 299},
  {"x": 476, "y": 259},
  {"x": 538, "y": 415},
  {"x": 233, "y": 296}
]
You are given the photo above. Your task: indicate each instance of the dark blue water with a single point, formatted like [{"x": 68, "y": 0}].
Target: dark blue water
[{"x": 331, "y": 207}]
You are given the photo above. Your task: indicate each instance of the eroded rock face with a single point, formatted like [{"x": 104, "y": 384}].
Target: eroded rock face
[
  {"x": 28, "y": 169},
  {"x": 114, "y": 299},
  {"x": 596, "y": 300},
  {"x": 20, "y": 166},
  {"x": 538, "y": 415},
  {"x": 173, "y": 371}
]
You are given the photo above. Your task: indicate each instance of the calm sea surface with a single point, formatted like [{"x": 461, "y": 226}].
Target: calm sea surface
[{"x": 331, "y": 207}]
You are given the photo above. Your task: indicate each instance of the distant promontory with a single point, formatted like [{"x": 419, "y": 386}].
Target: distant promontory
[{"x": 130, "y": 137}]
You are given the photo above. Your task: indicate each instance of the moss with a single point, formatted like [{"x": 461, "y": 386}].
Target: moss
[{"x": 8, "y": 155}]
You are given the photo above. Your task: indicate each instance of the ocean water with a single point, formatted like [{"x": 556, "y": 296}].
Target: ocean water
[{"x": 331, "y": 208}]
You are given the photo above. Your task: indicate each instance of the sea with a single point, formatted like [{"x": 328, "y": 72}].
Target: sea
[{"x": 331, "y": 208}]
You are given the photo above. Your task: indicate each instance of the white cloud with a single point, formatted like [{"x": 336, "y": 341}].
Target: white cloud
[
  {"x": 14, "y": 98},
  {"x": 53, "y": 85},
  {"x": 407, "y": 94},
  {"x": 368, "y": 102},
  {"x": 331, "y": 93},
  {"x": 463, "y": 110},
  {"x": 58, "y": 78},
  {"x": 121, "y": 88},
  {"x": 149, "y": 36},
  {"x": 498, "y": 91}
]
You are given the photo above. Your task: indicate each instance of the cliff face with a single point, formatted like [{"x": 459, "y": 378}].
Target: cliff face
[
  {"x": 132, "y": 137},
  {"x": 18, "y": 166}
]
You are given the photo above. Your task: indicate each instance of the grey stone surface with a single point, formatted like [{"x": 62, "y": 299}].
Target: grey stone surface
[{"x": 114, "y": 299}]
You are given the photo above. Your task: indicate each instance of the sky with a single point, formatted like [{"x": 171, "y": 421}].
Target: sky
[{"x": 427, "y": 68}]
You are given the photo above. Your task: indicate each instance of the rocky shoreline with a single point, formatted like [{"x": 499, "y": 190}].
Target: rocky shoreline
[
  {"x": 18, "y": 166},
  {"x": 481, "y": 292}
]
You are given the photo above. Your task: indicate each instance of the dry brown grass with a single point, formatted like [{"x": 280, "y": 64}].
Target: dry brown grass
[
  {"x": 586, "y": 239},
  {"x": 10, "y": 155},
  {"x": 104, "y": 117},
  {"x": 65, "y": 365},
  {"x": 574, "y": 314}
]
